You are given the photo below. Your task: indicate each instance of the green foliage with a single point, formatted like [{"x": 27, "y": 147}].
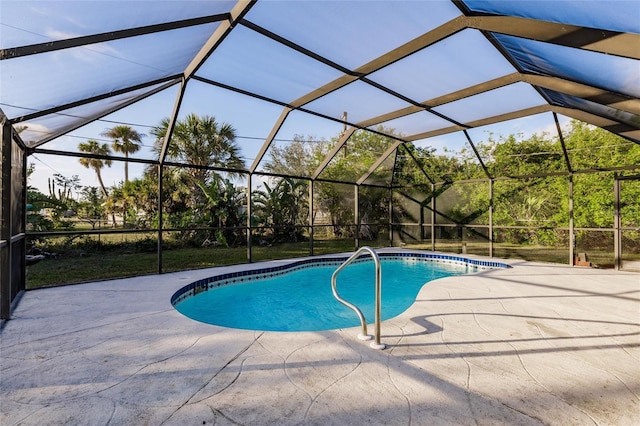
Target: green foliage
[
  {"x": 192, "y": 197},
  {"x": 48, "y": 212},
  {"x": 36, "y": 220},
  {"x": 351, "y": 164},
  {"x": 300, "y": 157},
  {"x": 223, "y": 207},
  {"x": 360, "y": 152},
  {"x": 511, "y": 157},
  {"x": 303, "y": 156},
  {"x": 374, "y": 210},
  {"x": 429, "y": 167},
  {"x": 135, "y": 201},
  {"x": 534, "y": 202},
  {"x": 282, "y": 208},
  {"x": 90, "y": 206},
  {"x": 591, "y": 147},
  {"x": 212, "y": 206},
  {"x": 468, "y": 202}
]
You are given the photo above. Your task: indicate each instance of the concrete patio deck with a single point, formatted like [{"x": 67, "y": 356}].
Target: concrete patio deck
[{"x": 535, "y": 344}]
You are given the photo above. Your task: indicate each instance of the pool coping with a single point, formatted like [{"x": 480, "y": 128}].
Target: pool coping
[{"x": 292, "y": 265}]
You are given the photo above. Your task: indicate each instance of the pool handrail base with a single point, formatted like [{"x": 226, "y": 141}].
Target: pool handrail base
[{"x": 378, "y": 285}]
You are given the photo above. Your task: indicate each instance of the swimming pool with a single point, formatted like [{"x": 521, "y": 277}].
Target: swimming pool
[{"x": 298, "y": 296}]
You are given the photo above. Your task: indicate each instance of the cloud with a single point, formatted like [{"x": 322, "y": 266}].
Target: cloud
[
  {"x": 59, "y": 35},
  {"x": 39, "y": 10},
  {"x": 80, "y": 53},
  {"x": 33, "y": 132}
]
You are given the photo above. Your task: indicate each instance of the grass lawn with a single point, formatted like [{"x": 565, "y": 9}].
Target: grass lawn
[
  {"x": 101, "y": 265},
  {"x": 77, "y": 267}
]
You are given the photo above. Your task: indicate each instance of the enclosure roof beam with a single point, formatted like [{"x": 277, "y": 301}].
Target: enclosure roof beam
[
  {"x": 98, "y": 116},
  {"x": 394, "y": 55},
  {"x": 474, "y": 90},
  {"x": 597, "y": 40},
  {"x": 378, "y": 162},
  {"x": 267, "y": 143},
  {"x": 218, "y": 36},
  {"x": 427, "y": 39},
  {"x": 285, "y": 105},
  {"x": 624, "y": 130},
  {"x": 241, "y": 91},
  {"x": 562, "y": 144},
  {"x": 172, "y": 121},
  {"x": 418, "y": 163},
  {"x": 51, "y": 46},
  {"x": 475, "y": 151},
  {"x": 432, "y": 133},
  {"x": 590, "y": 93},
  {"x": 426, "y": 105},
  {"x": 170, "y": 80},
  {"x": 483, "y": 122},
  {"x": 336, "y": 148},
  {"x": 509, "y": 116},
  {"x": 410, "y": 101},
  {"x": 241, "y": 8},
  {"x": 390, "y": 116},
  {"x": 586, "y": 92},
  {"x": 94, "y": 156},
  {"x": 291, "y": 45}
]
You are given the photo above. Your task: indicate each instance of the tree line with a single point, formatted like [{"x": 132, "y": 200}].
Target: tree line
[{"x": 204, "y": 201}]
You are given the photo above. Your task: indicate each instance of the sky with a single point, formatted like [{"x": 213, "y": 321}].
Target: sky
[
  {"x": 346, "y": 33},
  {"x": 250, "y": 138}
]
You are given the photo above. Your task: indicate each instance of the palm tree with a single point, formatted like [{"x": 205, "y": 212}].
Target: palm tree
[
  {"x": 126, "y": 141},
  {"x": 202, "y": 142},
  {"x": 93, "y": 147}
]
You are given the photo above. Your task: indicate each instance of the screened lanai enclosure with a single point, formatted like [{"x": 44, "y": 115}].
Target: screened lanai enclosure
[{"x": 142, "y": 137}]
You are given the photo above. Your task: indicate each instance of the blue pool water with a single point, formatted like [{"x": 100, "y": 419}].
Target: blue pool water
[{"x": 302, "y": 300}]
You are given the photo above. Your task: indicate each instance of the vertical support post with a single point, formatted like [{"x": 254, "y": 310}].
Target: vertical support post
[
  {"x": 160, "y": 216},
  {"x": 490, "y": 217},
  {"x": 433, "y": 217},
  {"x": 617, "y": 234},
  {"x": 23, "y": 222},
  {"x": 356, "y": 213},
  {"x": 421, "y": 223},
  {"x": 311, "y": 207},
  {"x": 572, "y": 236},
  {"x": 567, "y": 161},
  {"x": 5, "y": 225},
  {"x": 391, "y": 217},
  {"x": 249, "y": 212}
]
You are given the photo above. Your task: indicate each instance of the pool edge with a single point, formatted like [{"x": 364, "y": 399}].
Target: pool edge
[{"x": 243, "y": 276}]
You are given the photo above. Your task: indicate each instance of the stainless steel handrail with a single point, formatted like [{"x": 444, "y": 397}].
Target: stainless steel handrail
[{"x": 376, "y": 260}]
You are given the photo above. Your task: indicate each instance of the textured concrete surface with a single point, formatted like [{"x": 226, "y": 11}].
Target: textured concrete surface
[{"x": 536, "y": 344}]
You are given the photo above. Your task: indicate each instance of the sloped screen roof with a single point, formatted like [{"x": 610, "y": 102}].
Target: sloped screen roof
[{"x": 422, "y": 68}]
